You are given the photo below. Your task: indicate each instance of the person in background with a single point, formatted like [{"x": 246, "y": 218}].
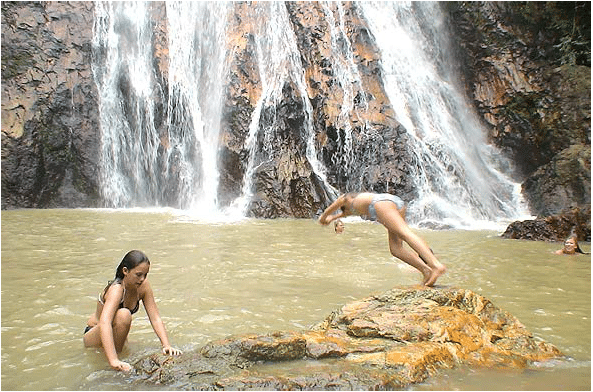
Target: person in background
[
  {"x": 389, "y": 210},
  {"x": 109, "y": 326},
  {"x": 571, "y": 247},
  {"x": 339, "y": 226}
]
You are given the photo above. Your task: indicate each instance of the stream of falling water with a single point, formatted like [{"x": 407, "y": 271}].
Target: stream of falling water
[
  {"x": 198, "y": 69},
  {"x": 129, "y": 138},
  {"x": 460, "y": 177},
  {"x": 142, "y": 165},
  {"x": 279, "y": 63},
  {"x": 346, "y": 72},
  {"x": 168, "y": 156}
]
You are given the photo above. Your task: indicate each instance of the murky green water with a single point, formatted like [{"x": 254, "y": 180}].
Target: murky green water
[{"x": 214, "y": 280}]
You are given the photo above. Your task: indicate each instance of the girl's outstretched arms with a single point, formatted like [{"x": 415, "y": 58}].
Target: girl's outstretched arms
[
  {"x": 157, "y": 322},
  {"x": 326, "y": 218}
]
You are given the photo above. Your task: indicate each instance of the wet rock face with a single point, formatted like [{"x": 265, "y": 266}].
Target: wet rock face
[
  {"x": 532, "y": 88},
  {"x": 285, "y": 184},
  {"x": 563, "y": 182},
  {"x": 50, "y": 119},
  {"x": 386, "y": 341},
  {"x": 383, "y": 161}
]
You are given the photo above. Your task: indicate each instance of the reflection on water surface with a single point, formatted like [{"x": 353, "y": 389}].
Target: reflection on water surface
[{"x": 214, "y": 280}]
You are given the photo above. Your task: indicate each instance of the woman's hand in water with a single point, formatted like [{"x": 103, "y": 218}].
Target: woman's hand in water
[
  {"x": 171, "y": 351},
  {"x": 121, "y": 366}
]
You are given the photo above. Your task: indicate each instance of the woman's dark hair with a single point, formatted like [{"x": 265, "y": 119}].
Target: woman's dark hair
[
  {"x": 578, "y": 249},
  {"x": 131, "y": 260}
]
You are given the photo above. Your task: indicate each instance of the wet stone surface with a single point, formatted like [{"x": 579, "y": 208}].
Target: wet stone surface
[{"x": 386, "y": 341}]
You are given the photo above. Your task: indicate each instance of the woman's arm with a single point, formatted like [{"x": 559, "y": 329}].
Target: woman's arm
[
  {"x": 326, "y": 218},
  {"x": 156, "y": 321},
  {"x": 112, "y": 298}
]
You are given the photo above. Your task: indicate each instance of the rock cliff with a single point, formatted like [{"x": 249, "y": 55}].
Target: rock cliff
[
  {"x": 383, "y": 342},
  {"x": 528, "y": 68},
  {"x": 50, "y": 119},
  {"x": 286, "y": 186},
  {"x": 530, "y": 83}
]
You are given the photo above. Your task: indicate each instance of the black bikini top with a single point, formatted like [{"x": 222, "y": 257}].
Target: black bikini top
[{"x": 121, "y": 304}]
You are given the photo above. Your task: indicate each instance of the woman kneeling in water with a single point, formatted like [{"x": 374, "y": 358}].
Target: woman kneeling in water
[
  {"x": 109, "y": 326},
  {"x": 389, "y": 210}
]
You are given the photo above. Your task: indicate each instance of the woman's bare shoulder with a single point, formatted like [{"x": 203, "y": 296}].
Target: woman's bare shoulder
[
  {"x": 144, "y": 288},
  {"x": 115, "y": 290}
]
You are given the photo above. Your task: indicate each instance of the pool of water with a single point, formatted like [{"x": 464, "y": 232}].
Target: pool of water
[{"x": 212, "y": 280}]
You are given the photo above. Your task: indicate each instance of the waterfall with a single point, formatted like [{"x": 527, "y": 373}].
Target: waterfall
[
  {"x": 148, "y": 160},
  {"x": 124, "y": 76},
  {"x": 460, "y": 177},
  {"x": 197, "y": 74},
  {"x": 161, "y": 130},
  {"x": 279, "y": 62},
  {"x": 348, "y": 77}
]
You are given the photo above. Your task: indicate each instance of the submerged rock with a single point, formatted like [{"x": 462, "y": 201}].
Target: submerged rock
[{"x": 385, "y": 341}]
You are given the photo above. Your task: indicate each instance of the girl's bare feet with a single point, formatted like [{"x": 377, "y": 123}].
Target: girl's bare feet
[{"x": 434, "y": 275}]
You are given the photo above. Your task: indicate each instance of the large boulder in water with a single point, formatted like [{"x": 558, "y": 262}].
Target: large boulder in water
[
  {"x": 576, "y": 221},
  {"x": 385, "y": 341}
]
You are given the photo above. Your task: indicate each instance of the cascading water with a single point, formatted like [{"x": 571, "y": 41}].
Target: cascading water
[
  {"x": 160, "y": 139},
  {"x": 148, "y": 160},
  {"x": 197, "y": 76},
  {"x": 348, "y": 77},
  {"x": 279, "y": 63},
  {"x": 125, "y": 80},
  {"x": 459, "y": 176}
]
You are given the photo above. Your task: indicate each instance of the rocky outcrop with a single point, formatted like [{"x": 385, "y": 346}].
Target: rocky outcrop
[
  {"x": 285, "y": 185},
  {"x": 559, "y": 227},
  {"x": 384, "y": 342},
  {"x": 50, "y": 119},
  {"x": 528, "y": 68},
  {"x": 564, "y": 181}
]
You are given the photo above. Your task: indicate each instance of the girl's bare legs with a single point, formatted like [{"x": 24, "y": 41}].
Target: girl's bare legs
[
  {"x": 121, "y": 327},
  {"x": 390, "y": 217},
  {"x": 397, "y": 249}
]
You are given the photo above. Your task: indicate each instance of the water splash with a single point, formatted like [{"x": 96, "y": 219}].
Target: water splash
[{"x": 460, "y": 177}]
